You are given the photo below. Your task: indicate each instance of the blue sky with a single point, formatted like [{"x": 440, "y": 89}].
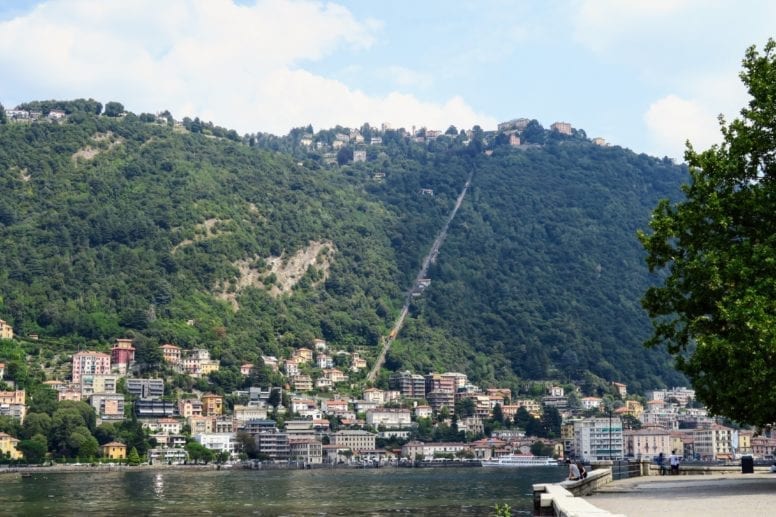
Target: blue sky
[{"x": 644, "y": 74}]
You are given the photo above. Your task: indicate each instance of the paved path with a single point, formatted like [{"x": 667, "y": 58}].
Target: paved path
[{"x": 707, "y": 496}]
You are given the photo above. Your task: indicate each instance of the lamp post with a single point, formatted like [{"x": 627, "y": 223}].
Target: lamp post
[{"x": 609, "y": 411}]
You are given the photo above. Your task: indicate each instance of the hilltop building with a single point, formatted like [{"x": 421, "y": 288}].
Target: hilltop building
[
  {"x": 518, "y": 124},
  {"x": 564, "y": 128}
]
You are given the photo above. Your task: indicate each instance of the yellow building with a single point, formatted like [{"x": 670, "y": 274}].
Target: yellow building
[
  {"x": 634, "y": 408},
  {"x": 744, "y": 442},
  {"x": 6, "y": 331},
  {"x": 305, "y": 354},
  {"x": 8, "y": 447},
  {"x": 207, "y": 367},
  {"x": 114, "y": 451},
  {"x": 212, "y": 404},
  {"x": 532, "y": 406}
]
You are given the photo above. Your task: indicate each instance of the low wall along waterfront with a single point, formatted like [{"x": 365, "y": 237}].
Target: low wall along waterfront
[
  {"x": 562, "y": 499},
  {"x": 566, "y": 499}
]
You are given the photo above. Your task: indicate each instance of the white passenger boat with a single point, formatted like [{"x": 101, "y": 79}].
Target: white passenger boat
[{"x": 520, "y": 460}]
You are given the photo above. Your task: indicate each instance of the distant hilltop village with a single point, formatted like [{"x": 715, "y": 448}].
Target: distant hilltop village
[
  {"x": 302, "y": 408},
  {"x": 359, "y": 141},
  {"x": 335, "y": 146}
]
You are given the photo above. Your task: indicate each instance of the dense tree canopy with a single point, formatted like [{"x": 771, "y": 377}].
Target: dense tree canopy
[
  {"x": 137, "y": 227},
  {"x": 716, "y": 308}
]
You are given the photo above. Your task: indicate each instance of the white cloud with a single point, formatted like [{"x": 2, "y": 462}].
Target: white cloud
[
  {"x": 402, "y": 76},
  {"x": 671, "y": 121},
  {"x": 241, "y": 66},
  {"x": 297, "y": 93}
]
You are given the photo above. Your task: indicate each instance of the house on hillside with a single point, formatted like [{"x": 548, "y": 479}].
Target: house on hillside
[
  {"x": 335, "y": 375},
  {"x": 6, "y": 330},
  {"x": 302, "y": 383},
  {"x": 8, "y": 447},
  {"x": 171, "y": 353}
]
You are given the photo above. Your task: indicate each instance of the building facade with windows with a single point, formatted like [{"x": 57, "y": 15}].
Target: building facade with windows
[{"x": 598, "y": 439}]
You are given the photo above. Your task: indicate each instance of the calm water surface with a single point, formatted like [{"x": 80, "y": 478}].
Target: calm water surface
[{"x": 455, "y": 491}]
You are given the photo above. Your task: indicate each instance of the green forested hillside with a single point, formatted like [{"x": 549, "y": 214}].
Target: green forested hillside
[
  {"x": 541, "y": 268},
  {"x": 93, "y": 248},
  {"x": 124, "y": 226}
]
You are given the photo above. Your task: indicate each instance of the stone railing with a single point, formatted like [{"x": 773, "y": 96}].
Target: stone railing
[
  {"x": 594, "y": 480},
  {"x": 560, "y": 499},
  {"x": 698, "y": 470}
]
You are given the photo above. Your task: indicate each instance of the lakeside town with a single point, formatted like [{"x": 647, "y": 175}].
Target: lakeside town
[{"x": 316, "y": 416}]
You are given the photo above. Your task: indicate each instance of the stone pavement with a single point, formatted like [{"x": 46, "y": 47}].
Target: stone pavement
[{"x": 739, "y": 495}]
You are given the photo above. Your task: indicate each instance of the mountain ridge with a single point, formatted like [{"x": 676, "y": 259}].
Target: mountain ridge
[{"x": 120, "y": 232}]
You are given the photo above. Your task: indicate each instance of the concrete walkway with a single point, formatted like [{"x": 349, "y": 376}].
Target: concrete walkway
[{"x": 707, "y": 496}]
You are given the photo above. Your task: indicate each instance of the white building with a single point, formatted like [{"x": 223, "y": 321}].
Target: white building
[
  {"x": 169, "y": 456},
  {"x": 389, "y": 418},
  {"x": 219, "y": 442},
  {"x": 249, "y": 412},
  {"x": 681, "y": 394},
  {"x": 598, "y": 439},
  {"x": 164, "y": 425},
  {"x": 354, "y": 440},
  {"x": 590, "y": 402},
  {"x": 714, "y": 443},
  {"x": 374, "y": 395}
]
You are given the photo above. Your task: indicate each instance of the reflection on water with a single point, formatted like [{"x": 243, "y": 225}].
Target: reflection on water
[
  {"x": 468, "y": 491},
  {"x": 159, "y": 486}
]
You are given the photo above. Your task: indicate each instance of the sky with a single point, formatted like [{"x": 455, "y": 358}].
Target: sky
[{"x": 644, "y": 74}]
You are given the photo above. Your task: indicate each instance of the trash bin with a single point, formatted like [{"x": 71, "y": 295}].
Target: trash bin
[{"x": 747, "y": 465}]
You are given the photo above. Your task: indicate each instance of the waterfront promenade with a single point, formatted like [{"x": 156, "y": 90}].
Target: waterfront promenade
[{"x": 690, "y": 495}]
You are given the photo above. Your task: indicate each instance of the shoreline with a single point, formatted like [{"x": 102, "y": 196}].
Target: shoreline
[
  {"x": 106, "y": 467},
  {"x": 27, "y": 470}
]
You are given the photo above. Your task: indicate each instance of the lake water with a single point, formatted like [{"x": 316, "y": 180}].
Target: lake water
[{"x": 387, "y": 491}]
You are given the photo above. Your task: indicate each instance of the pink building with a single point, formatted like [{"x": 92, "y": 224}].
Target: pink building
[
  {"x": 90, "y": 363},
  {"x": 122, "y": 354}
]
